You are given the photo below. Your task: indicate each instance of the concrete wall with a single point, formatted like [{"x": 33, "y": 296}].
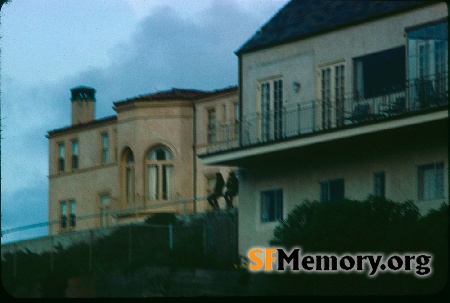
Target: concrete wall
[{"x": 301, "y": 182}]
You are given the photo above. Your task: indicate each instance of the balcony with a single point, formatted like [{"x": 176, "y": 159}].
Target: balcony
[{"x": 318, "y": 116}]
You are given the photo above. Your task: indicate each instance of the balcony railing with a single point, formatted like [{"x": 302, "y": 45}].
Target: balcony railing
[{"x": 316, "y": 116}]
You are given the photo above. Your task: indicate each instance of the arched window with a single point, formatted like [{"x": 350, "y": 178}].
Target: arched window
[
  {"x": 129, "y": 175},
  {"x": 159, "y": 174}
]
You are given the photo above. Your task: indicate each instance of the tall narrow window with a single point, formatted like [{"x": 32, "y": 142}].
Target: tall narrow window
[
  {"x": 73, "y": 218},
  {"x": 74, "y": 154},
  {"x": 211, "y": 125},
  {"x": 129, "y": 175},
  {"x": 339, "y": 92},
  {"x": 379, "y": 184},
  {"x": 431, "y": 181},
  {"x": 61, "y": 157},
  {"x": 424, "y": 60},
  {"x": 271, "y": 205},
  {"x": 105, "y": 201},
  {"x": 428, "y": 65},
  {"x": 105, "y": 148},
  {"x": 63, "y": 219},
  {"x": 332, "y": 190},
  {"x": 235, "y": 121},
  {"x": 441, "y": 63},
  {"x": 271, "y": 119},
  {"x": 160, "y": 174},
  {"x": 325, "y": 92},
  {"x": 332, "y": 92},
  {"x": 224, "y": 113}
]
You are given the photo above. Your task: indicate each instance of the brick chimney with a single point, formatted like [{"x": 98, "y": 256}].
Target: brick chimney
[{"x": 83, "y": 105}]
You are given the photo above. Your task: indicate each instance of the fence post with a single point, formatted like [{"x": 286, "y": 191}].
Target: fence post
[
  {"x": 184, "y": 212},
  {"x": 15, "y": 261},
  {"x": 91, "y": 236},
  {"x": 170, "y": 237},
  {"x": 204, "y": 239},
  {"x": 129, "y": 243},
  {"x": 52, "y": 254}
]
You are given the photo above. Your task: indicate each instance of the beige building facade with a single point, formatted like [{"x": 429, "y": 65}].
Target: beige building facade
[
  {"x": 340, "y": 99},
  {"x": 127, "y": 167}
]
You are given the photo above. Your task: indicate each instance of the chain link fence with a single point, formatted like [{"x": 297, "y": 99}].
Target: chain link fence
[{"x": 208, "y": 241}]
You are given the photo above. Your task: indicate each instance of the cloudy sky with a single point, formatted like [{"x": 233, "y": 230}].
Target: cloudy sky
[{"x": 122, "y": 48}]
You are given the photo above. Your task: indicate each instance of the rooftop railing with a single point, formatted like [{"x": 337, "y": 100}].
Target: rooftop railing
[{"x": 316, "y": 116}]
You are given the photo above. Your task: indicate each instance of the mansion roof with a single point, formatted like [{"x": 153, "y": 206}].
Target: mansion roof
[{"x": 303, "y": 18}]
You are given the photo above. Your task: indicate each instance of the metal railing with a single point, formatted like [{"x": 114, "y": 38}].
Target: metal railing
[{"x": 314, "y": 116}]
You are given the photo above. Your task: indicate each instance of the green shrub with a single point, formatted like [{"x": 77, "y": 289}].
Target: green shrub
[{"x": 374, "y": 224}]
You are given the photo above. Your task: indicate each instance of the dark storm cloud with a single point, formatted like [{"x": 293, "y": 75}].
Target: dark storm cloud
[
  {"x": 169, "y": 51},
  {"x": 166, "y": 51}
]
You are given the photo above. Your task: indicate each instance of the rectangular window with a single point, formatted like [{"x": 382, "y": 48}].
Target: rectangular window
[
  {"x": 431, "y": 181},
  {"x": 224, "y": 113},
  {"x": 211, "y": 125},
  {"x": 105, "y": 201},
  {"x": 63, "y": 219},
  {"x": 428, "y": 65},
  {"x": 235, "y": 121},
  {"x": 61, "y": 157},
  {"x": 332, "y": 92},
  {"x": 379, "y": 184},
  {"x": 332, "y": 191},
  {"x": 272, "y": 205},
  {"x": 271, "y": 109},
  {"x": 73, "y": 218},
  {"x": 105, "y": 148},
  {"x": 380, "y": 74},
  {"x": 74, "y": 154},
  {"x": 236, "y": 111}
]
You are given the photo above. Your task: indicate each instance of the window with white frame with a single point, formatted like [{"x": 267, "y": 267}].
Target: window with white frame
[
  {"x": 128, "y": 171},
  {"x": 332, "y": 190},
  {"x": 105, "y": 148},
  {"x": 74, "y": 154},
  {"x": 332, "y": 93},
  {"x": 72, "y": 218},
  {"x": 272, "y": 205},
  {"x": 431, "y": 181},
  {"x": 160, "y": 174},
  {"x": 105, "y": 201},
  {"x": 271, "y": 109},
  {"x": 63, "y": 218},
  {"x": 61, "y": 157},
  {"x": 428, "y": 63},
  {"x": 211, "y": 125}
]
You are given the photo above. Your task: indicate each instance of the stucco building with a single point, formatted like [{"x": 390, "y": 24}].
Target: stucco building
[
  {"x": 143, "y": 160},
  {"x": 339, "y": 99}
]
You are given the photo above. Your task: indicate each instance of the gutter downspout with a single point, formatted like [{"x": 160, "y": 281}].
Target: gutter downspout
[
  {"x": 194, "y": 148},
  {"x": 240, "y": 98}
]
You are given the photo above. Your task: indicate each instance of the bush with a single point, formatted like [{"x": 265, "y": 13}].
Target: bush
[{"x": 374, "y": 224}]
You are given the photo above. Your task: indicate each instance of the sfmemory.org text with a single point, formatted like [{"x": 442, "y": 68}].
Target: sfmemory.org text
[{"x": 264, "y": 259}]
